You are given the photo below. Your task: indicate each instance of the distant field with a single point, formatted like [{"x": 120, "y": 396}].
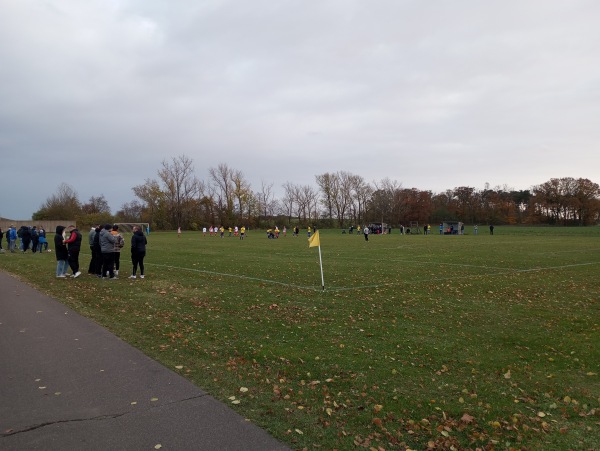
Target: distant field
[{"x": 417, "y": 341}]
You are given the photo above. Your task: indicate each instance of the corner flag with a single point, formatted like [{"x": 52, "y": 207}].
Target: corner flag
[{"x": 315, "y": 241}]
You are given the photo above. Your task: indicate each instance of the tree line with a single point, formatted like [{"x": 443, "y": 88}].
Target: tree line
[{"x": 177, "y": 197}]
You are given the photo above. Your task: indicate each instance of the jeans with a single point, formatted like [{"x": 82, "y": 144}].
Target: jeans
[
  {"x": 11, "y": 245},
  {"x": 61, "y": 267}
]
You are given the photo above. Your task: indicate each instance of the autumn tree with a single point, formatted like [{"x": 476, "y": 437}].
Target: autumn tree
[
  {"x": 64, "y": 204},
  {"x": 95, "y": 211},
  {"x": 155, "y": 202}
]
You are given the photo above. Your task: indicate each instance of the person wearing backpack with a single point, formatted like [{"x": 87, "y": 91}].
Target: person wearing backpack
[{"x": 119, "y": 243}]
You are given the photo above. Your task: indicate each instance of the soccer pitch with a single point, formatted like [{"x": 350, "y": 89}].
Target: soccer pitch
[{"x": 416, "y": 342}]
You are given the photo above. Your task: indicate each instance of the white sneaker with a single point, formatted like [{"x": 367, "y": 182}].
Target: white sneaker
[
  {"x": 132, "y": 276},
  {"x": 77, "y": 274},
  {"x": 142, "y": 276},
  {"x": 116, "y": 272}
]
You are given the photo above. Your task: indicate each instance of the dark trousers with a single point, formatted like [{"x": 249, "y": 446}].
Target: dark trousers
[
  {"x": 92, "y": 268},
  {"x": 108, "y": 261},
  {"x": 74, "y": 260},
  {"x": 138, "y": 259},
  {"x": 117, "y": 257}
]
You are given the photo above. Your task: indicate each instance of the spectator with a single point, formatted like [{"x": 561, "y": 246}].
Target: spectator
[
  {"x": 138, "y": 252},
  {"x": 119, "y": 243},
  {"x": 107, "y": 247},
  {"x": 74, "y": 247},
  {"x": 62, "y": 254}
]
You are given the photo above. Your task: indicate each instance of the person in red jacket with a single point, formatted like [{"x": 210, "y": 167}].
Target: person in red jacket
[{"x": 74, "y": 246}]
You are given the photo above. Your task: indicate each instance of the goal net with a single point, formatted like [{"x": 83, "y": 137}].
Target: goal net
[{"x": 127, "y": 227}]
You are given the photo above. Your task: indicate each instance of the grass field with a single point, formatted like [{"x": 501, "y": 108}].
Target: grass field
[{"x": 422, "y": 342}]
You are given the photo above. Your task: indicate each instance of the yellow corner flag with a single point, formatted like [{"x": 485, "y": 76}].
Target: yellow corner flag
[{"x": 314, "y": 240}]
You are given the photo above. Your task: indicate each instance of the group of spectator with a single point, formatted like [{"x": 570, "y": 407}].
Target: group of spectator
[
  {"x": 25, "y": 238},
  {"x": 106, "y": 244}
]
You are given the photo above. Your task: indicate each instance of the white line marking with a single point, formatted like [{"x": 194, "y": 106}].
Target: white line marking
[{"x": 503, "y": 271}]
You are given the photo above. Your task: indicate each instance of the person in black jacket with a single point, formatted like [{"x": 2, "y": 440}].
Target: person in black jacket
[
  {"x": 97, "y": 253},
  {"x": 138, "y": 252},
  {"x": 25, "y": 238},
  {"x": 35, "y": 239},
  {"x": 74, "y": 242},
  {"x": 61, "y": 253}
]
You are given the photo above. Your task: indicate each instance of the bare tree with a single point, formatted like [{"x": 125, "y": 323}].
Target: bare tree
[
  {"x": 361, "y": 195},
  {"x": 222, "y": 176},
  {"x": 266, "y": 200},
  {"x": 242, "y": 192},
  {"x": 131, "y": 212},
  {"x": 329, "y": 185},
  {"x": 288, "y": 201},
  {"x": 180, "y": 186}
]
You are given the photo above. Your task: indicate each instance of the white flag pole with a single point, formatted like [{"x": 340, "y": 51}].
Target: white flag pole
[{"x": 321, "y": 264}]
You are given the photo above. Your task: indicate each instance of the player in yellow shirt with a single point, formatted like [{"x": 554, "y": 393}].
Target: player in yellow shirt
[{"x": 242, "y": 232}]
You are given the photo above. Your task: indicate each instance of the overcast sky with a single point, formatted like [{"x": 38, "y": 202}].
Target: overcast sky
[{"x": 433, "y": 94}]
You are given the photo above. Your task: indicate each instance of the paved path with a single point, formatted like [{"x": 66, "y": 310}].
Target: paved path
[{"x": 67, "y": 383}]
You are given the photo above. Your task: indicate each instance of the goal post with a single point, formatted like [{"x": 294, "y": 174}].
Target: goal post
[
  {"x": 127, "y": 227},
  {"x": 414, "y": 227}
]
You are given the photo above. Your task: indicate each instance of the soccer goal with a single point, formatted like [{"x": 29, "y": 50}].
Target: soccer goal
[
  {"x": 127, "y": 227},
  {"x": 414, "y": 227}
]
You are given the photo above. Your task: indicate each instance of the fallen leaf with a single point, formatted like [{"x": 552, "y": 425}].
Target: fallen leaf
[
  {"x": 153, "y": 399},
  {"x": 179, "y": 367},
  {"x": 466, "y": 418},
  {"x": 243, "y": 389}
]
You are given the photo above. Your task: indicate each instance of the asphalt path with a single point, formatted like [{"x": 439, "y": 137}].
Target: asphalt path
[{"x": 67, "y": 383}]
